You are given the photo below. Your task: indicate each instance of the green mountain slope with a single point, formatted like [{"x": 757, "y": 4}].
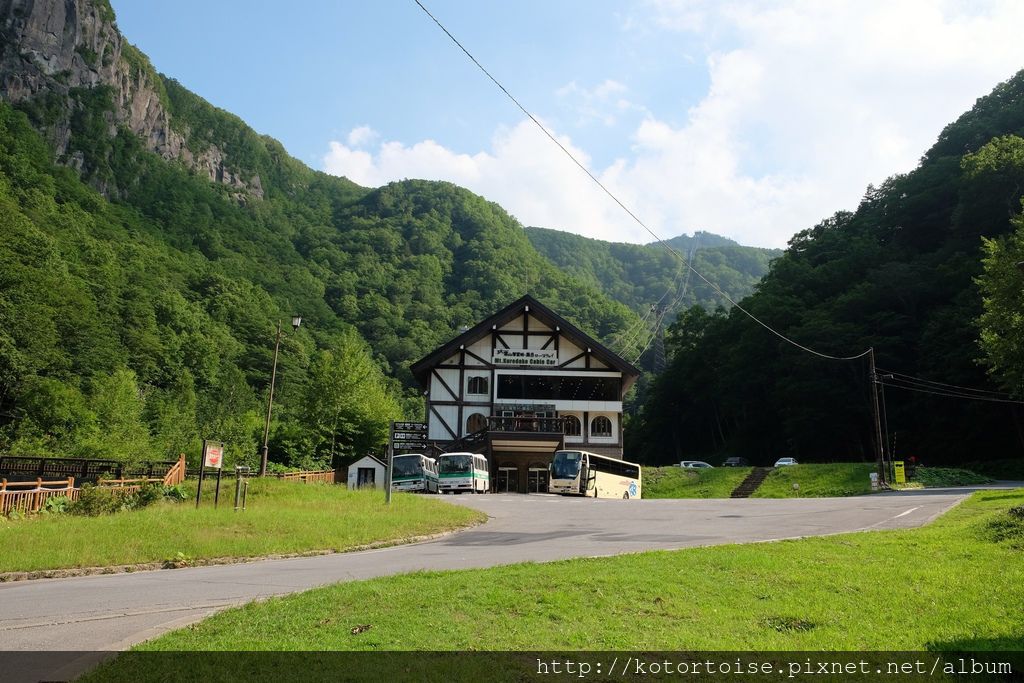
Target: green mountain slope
[
  {"x": 898, "y": 275},
  {"x": 143, "y": 274},
  {"x": 640, "y": 275}
]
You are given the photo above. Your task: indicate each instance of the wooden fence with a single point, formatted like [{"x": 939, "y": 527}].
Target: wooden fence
[
  {"x": 308, "y": 477},
  {"x": 30, "y": 496}
]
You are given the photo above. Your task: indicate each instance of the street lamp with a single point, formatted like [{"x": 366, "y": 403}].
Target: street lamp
[{"x": 296, "y": 321}]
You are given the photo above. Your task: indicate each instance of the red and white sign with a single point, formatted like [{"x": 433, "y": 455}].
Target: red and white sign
[{"x": 213, "y": 455}]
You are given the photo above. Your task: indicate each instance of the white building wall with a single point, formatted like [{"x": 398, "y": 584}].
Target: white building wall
[
  {"x": 435, "y": 427},
  {"x": 438, "y": 392}
]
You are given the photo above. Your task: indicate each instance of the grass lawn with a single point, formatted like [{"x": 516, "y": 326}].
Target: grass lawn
[
  {"x": 955, "y": 584},
  {"x": 281, "y": 517},
  {"x": 817, "y": 481},
  {"x": 679, "y": 482}
]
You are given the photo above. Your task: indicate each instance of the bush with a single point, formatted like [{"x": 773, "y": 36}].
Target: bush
[
  {"x": 147, "y": 495},
  {"x": 96, "y": 500},
  {"x": 56, "y": 505},
  {"x": 101, "y": 500},
  {"x": 175, "y": 493}
]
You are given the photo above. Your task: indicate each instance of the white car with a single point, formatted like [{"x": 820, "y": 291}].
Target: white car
[
  {"x": 782, "y": 462},
  {"x": 694, "y": 464}
]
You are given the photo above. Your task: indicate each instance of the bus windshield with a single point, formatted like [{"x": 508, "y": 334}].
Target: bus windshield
[
  {"x": 406, "y": 466},
  {"x": 566, "y": 464},
  {"x": 456, "y": 464}
]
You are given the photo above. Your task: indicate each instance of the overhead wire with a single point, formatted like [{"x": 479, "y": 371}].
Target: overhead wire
[
  {"x": 939, "y": 392},
  {"x": 925, "y": 382},
  {"x": 625, "y": 208},
  {"x": 665, "y": 311},
  {"x": 638, "y": 329}
]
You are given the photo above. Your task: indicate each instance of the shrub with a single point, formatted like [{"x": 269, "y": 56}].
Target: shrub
[
  {"x": 147, "y": 495},
  {"x": 96, "y": 500},
  {"x": 56, "y": 505},
  {"x": 175, "y": 493}
]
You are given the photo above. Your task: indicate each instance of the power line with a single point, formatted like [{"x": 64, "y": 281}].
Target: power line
[
  {"x": 665, "y": 311},
  {"x": 625, "y": 208},
  {"x": 928, "y": 382},
  {"x": 946, "y": 394}
]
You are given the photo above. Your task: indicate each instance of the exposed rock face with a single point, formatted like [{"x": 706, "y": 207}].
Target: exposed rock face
[{"x": 52, "y": 46}]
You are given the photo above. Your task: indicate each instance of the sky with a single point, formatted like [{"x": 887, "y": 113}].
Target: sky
[{"x": 750, "y": 119}]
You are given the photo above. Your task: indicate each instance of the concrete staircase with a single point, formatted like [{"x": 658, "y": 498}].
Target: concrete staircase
[{"x": 750, "y": 484}]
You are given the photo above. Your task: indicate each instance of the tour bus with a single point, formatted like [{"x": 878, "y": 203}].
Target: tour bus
[
  {"x": 580, "y": 473},
  {"x": 458, "y": 472},
  {"x": 414, "y": 472}
]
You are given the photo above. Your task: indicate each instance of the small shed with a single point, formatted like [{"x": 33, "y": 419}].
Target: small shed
[{"x": 367, "y": 472}]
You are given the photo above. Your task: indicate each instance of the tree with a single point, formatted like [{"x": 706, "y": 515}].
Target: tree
[
  {"x": 1002, "y": 320},
  {"x": 347, "y": 408}
]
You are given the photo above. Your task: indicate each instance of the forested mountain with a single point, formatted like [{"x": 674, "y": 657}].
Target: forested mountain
[
  {"x": 641, "y": 275},
  {"x": 151, "y": 242},
  {"x": 897, "y": 274}
]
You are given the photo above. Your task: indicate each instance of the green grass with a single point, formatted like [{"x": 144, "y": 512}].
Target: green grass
[
  {"x": 281, "y": 517},
  {"x": 955, "y": 584},
  {"x": 1011, "y": 469},
  {"x": 948, "y": 476},
  {"x": 679, "y": 482},
  {"x": 817, "y": 481}
]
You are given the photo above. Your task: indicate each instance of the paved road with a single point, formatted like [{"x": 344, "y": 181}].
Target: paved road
[{"x": 115, "y": 611}]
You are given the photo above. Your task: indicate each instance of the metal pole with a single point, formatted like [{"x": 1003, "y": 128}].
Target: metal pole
[
  {"x": 879, "y": 446},
  {"x": 270, "y": 404},
  {"x": 238, "y": 489},
  {"x": 391, "y": 461},
  {"x": 216, "y": 492}
]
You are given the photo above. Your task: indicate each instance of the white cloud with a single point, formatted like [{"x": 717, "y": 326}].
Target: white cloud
[
  {"x": 808, "y": 102},
  {"x": 362, "y": 136}
]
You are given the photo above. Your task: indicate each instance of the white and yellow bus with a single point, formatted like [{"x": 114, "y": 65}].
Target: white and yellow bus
[
  {"x": 459, "y": 472},
  {"x": 580, "y": 473},
  {"x": 414, "y": 472}
]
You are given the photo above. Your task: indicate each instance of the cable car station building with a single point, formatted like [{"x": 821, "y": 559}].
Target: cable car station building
[{"x": 519, "y": 386}]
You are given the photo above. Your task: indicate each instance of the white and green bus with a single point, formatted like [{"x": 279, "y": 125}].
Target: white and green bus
[
  {"x": 414, "y": 472},
  {"x": 579, "y": 473},
  {"x": 459, "y": 472}
]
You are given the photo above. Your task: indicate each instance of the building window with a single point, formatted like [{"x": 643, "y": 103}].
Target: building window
[
  {"x": 600, "y": 426},
  {"x": 475, "y": 423},
  {"x": 478, "y": 385},
  {"x": 559, "y": 388},
  {"x": 572, "y": 425}
]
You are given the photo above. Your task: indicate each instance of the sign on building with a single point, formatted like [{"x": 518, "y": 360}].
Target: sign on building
[{"x": 536, "y": 357}]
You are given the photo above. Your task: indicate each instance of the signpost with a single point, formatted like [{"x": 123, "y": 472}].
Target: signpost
[
  {"x": 405, "y": 437},
  {"x": 213, "y": 457}
]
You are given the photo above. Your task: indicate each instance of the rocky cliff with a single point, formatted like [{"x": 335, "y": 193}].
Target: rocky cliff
[{"x": 52, "y": 49}]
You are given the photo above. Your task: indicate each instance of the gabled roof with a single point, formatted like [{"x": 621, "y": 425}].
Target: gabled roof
[
  {"x": 373, "y": 458},
  {"x": 421, "y": 368}
]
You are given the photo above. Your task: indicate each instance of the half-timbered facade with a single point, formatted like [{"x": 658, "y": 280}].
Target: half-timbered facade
[{"x": 521, "y": 385}]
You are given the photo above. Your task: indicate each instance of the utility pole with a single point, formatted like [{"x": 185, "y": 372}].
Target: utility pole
[
  {"x": 296, "y": 321},
  {"x": 879, "y": 445}
]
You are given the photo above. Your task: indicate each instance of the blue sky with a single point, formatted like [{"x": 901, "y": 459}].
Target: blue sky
[{"x": 749, "y": 119}]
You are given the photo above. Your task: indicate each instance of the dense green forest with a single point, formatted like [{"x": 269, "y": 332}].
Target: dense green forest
[
  {"x": 900, "y": 274},
  {"x": 648, "y": 275},
  {"x": 164, "y": 302}
]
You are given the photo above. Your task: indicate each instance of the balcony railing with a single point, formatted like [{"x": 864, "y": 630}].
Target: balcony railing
[{"x": 541, "y": 425}]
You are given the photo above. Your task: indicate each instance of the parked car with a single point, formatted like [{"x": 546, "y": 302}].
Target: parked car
[
  {"x": 736, "y": 462},
  {"x": 782, "y": 462},
  {"x": 694, "y": 464}
]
